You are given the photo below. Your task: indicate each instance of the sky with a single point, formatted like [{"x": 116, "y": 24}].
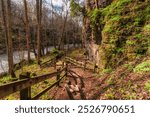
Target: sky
[{"x": 56, "y": 2}]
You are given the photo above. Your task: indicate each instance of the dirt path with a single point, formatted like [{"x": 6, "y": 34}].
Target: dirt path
[{"x": 79, "y": 85}]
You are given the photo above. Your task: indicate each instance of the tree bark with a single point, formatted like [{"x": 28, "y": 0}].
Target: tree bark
[{"x": 27, "y": 29}]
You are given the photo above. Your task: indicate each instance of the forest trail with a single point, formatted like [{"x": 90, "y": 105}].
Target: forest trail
[
  {"x": 79, "y": 85},
  {"x": 122, "y": 83}
]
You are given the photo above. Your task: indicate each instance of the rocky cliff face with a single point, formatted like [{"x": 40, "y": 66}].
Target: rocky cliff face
[
  {"x": 121, "y": 28},
  {"x": 92, "y": 33},
  {"x": 126, "y": 31}
]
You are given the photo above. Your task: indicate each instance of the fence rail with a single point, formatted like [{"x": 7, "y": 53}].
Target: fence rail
[
  {"x": 83, "y": 64},
  {"x": 24, "y": 85}
]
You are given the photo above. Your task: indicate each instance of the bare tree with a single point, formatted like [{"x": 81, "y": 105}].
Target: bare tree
[
  {"x": 27, "y": 29},
  {"x": 61, "y": 41},
  {"x": 6, "y": 11},
  {"x": 39, "y": 18}
]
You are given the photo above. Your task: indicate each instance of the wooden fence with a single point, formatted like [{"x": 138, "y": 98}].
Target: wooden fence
[
  {"x": 83, "y": 64},
  {"x": 24, "y": 85}
]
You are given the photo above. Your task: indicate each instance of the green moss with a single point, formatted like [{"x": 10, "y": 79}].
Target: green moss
[
  {"x": 139, "y": 36},
  {"x": 131, "y": 96},
  {"x": 108, "y": 28},
  {"x": 57, "y": 53},
  {"x": 116, "y": 18},
  {"x": 142, "y": 67},
  {"x": 110, "y": 81},
  {"x": 147, "y": 27},
  {"x": 121, "y": 3},
  {"x": 106, "y": 71},
  {"x": 95, "y": 15},
  {"x": 110, "y": 96},
  {"x": 5, "y": 79},
  {"x": 139, "y": 20},
  {"x": 126, "y": 31},
  {"x": 128, "y": 66},
  {"x": 147, "y": 86},
  {"x": 78, "y": 53},
  {"x": 129, "y": 42}
]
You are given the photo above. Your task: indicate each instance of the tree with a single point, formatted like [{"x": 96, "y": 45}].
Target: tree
[
  {"x": 6, "y": 13},
  {"x": 61, "y": 41},
  {"x": 27, "y": 29},
  {"x": 39, "y": 18}
]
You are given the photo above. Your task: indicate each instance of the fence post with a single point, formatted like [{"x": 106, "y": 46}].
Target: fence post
[
  {"x": 94, "y": 70},
  {"x": 84, "y": 64},
  {"x": 55, "y": 63},
  {"x": 58, "y": 76},
  {"x": 66, "y": 70},
  {"x": 63, "y": 64},
  {"x": 25, "y": 94}
]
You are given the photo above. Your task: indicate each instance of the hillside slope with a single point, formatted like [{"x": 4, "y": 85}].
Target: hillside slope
[{"x": 126, "y": 31}]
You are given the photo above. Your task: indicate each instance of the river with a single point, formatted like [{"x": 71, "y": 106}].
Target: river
[{"x": 17, "y": 57}]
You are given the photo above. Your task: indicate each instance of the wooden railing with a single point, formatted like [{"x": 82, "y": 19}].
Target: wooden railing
[
  {"x": 24, "y": 85},
  {"x": 83, "y": 65},
  {"x": 51, "y": 62}
]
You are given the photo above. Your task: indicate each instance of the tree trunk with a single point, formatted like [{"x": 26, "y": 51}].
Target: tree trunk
[
  {"x": 6, "y": 12},
  {"x": 27, "y": 29},
  {"x": 39, "y": 15},
  {"x": 52, "y": 25},
  {"x": 61, "y": 41}
]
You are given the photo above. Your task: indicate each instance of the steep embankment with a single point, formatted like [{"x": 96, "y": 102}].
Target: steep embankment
[{"x": 125, "y": 33}]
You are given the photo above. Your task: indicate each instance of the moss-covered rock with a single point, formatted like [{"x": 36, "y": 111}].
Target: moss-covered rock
[{"x": 126, "y": 31}]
